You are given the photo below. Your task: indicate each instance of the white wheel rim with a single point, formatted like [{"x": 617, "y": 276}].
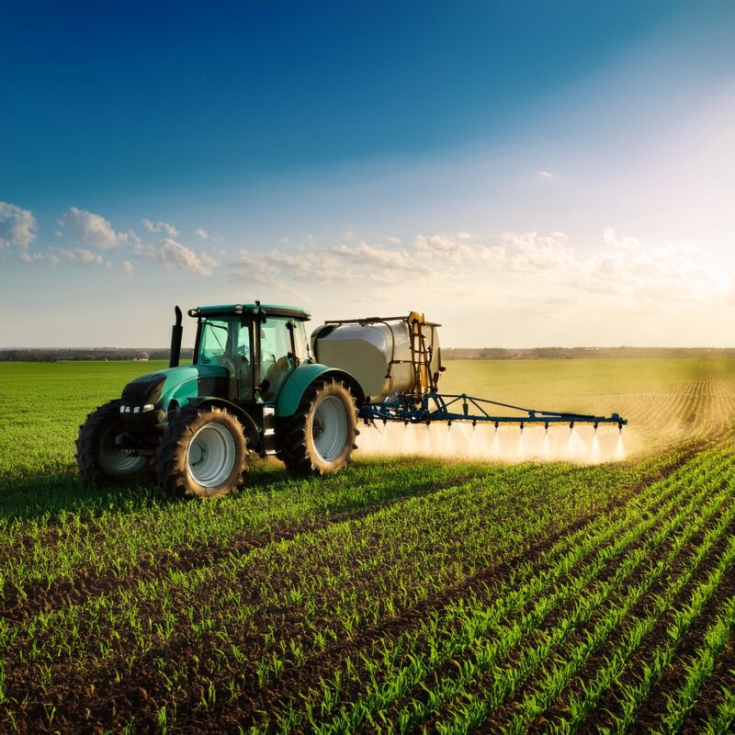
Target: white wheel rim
[
  {"x": 210, "y": 456},
  {"x": 116, "y": 461},
  {"x": 329, "y": 428}
]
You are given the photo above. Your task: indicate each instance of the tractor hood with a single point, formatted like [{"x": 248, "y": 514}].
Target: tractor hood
[{"x": 156, "y": 390}]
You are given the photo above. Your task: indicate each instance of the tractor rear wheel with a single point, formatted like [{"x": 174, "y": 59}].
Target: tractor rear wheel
[
  {"x": 99, "y": 458},
  {"x": 320, "y": 436},
  {"x": 203, "y": 454}
]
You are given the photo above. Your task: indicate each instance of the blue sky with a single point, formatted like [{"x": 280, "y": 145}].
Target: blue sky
[{"x": 527, "y": 173}]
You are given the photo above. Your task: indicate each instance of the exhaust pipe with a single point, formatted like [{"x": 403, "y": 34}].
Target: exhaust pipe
[{"x": 176, "y": 333}]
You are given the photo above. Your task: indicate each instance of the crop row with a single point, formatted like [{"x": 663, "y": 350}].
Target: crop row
[
  {"x": 70, "y": 549},
  {"x": 670, "y": 411},
  {"x": 506, "y": 633},
  {"x": 400, "y": 595},
  {"x": 284, "y": 557},
  {"x": 244, "y": 629},
  {"x": 133, "y": 548}
]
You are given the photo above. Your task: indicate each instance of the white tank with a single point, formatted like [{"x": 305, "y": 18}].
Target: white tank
[{"x": 379, "y": 355}]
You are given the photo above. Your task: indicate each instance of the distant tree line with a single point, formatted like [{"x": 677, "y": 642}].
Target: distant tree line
[
  {"x": 95, "y": 353},
  {"x": 572, "y": 353},
  {"x": 451, "y": 353}
]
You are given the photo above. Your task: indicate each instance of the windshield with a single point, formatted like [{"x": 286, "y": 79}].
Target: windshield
[
  {"x": 213, "y": 344},
  {"x": 223, "y": 339},
  {"x": 226, "y": 342}
]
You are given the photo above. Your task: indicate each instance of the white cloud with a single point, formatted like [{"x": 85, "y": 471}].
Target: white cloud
[
  {"x": 546, "y": 174},
  {"x": 209, "y": 260},
  {"x": 394, "y": 240},
  {"x": 127, "y": 267},
  {"x": 202, "y": 234},
  {"x": 456, "y": 249},
  {"x": 45, "y": 258},
  {"x": 620, "y": 267},
  {"x": 17, "y": 226},
  {"x": 257, "y": 268},
  {"x": 666, "y": 273},
  {"x": 364, "y": 262},
  {"x": 343, "y": 263},
  {"x": 443, "y": 243},
  {"x": 175, "y": 255},
  {"x": 94, "y": 229},
  {"x": 376, "y": 255},
  {"x": 83, "y": 255},
  {"x": 531, "y": 252},
  {"x": 170, "y": 230},
  {"x": 627, "y": 243},
  {"x": 320, "y": 265}
]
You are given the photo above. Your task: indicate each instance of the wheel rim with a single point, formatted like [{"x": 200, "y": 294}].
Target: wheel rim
[
  {"x": 211, "y": 455},
  {"x": 329, "y": 428},
  {"x": 116, "y": 461}
]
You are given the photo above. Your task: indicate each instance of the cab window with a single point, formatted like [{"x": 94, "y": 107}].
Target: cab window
[{"x": 276, "y": 356}]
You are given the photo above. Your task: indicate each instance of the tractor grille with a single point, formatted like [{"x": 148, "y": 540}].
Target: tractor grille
[{"x": 143, "y": 392}]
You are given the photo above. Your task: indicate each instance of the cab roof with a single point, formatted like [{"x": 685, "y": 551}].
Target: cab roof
[{"x": 251, "y": 309}]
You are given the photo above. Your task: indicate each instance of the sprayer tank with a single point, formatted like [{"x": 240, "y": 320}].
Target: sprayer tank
[{"x": 381, "y": 355}]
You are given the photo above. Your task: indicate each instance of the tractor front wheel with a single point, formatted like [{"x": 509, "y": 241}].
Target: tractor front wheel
[
  {"x": 99, "y": 458},
  {"x": 203, "y": 454},
  {"x": 320, "y": 436}
]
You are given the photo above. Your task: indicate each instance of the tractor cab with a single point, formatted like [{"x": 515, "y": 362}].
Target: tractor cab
[{"x": 258, "y": 347}]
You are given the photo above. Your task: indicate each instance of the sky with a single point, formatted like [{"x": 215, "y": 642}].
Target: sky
[{"x": 525, "y": 173}]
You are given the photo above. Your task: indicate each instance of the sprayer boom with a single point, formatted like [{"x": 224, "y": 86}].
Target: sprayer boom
[{"x": 461, "y": 407}]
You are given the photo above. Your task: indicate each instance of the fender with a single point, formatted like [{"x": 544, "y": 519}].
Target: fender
[
  {"x": 300, "y": 379},
  {"x": 252, "y": 430}
]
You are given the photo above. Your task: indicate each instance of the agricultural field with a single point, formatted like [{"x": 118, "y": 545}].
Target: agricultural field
[{"x": 404, "y": 594}]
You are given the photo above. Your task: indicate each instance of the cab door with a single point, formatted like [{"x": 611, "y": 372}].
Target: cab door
[{"x": 278, "y": 355}]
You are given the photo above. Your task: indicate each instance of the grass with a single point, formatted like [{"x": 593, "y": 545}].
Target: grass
[{"x": 403, "y": 594}]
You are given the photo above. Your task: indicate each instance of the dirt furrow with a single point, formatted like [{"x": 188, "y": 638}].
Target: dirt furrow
[
  {"x": 94, "y": 692},
  {"x": 558, "y": 710},
  {"x": 576, "y": 637},
  {"x": 143, "y": 689},
  {"x": 19, "y": 605},
  {"x": 654, "y": 709},
  {"x": 712, "y": 693},
  {"x": 288, "y": 686},
  {"x": 609, "y": 704}
]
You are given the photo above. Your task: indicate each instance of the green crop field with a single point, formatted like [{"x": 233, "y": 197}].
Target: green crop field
[{"x": 404, "y": 594}]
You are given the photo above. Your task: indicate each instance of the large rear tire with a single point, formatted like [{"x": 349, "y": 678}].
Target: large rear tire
[
  {"x": 99, "y": 458},
  {"x": 320, "y": 436},
  {"x": 203, "y": 454}
]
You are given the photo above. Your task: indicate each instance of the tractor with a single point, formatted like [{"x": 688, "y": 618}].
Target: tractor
[
  {"x": 256, "y": 385},
  {"x": 252, "y": 387}
]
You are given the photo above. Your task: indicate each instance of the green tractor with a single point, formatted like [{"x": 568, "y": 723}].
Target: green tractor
[{"x": 252, "y": 387}]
